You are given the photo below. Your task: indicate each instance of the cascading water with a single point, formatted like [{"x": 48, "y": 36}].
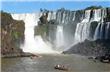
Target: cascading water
[
  {"x": 65, "y": 28},
  {"x": 82, "y": 29},
  {"x": 34, "y": 44},
  {"x": 59, "y": 36},
  {"x": 63, "y": 35},
  {"x": 107, "y": 34},
  {"x": 97, "y": 35},
  {"x": 81, "y": 24},
  {"x": 102, "y": 31},
  {"x": 103, "y": 28}
]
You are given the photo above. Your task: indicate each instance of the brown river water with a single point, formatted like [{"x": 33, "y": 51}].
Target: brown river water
[{"x": 46, "y": 63}]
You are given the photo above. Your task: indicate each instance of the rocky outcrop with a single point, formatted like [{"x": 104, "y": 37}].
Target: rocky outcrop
[
  {"x": 12, "y": 35},
  {"x": 90, "y": 48},
  {"x": 42, "y": 27}
]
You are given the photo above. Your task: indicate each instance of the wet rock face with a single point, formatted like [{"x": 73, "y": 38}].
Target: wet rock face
[
  {"x": 43, "y": 18},
  {"x": 90, "y": 48},
  {"x": 91, "y": 23},
  {"x": 12, "y": 34},
  {"x": 93, "y": 26},
  {"x": 107, "y": 19}
]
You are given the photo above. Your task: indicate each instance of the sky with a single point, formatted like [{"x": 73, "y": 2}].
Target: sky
[{"x": 34, "y": 6}]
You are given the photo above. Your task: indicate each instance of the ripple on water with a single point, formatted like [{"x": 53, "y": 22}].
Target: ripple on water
[{"x": 46, "y": 63}]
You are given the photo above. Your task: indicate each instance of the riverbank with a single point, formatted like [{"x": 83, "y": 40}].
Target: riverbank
[{"x": 12, "y": 55}]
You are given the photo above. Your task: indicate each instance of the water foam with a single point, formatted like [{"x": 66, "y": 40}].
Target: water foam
[{"x": 33, "y": 44}]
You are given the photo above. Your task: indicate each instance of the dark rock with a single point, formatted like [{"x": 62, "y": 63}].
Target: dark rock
[
  {"x": 90, "y": 48},
  {"x": 12, "y": 35},
  {"x": 104, "y": 59}
]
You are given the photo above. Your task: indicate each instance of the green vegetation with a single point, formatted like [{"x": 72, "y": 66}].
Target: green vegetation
[
  {"x": 16, "y": 34},
  {"x": 12, "y": 33},
  {"x": 41, "y": 29}
]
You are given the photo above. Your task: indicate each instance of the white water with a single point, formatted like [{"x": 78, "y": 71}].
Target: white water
[
  {"x": 107, "y": 30},
  {"x": 98, "y": 31},
  {"x": 74, "y": 16},
  {"x": 33, "y": 44},
  {"x": 63, "y": 39},
  {"x": 83, "y": 28},
  {"x": 51, "y": 15},
  {"x": 97, "y": 15},
  {"x": 59, "y": 36}
]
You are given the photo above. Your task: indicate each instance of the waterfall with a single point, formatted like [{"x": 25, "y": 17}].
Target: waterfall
[
  {"x": 82, "y": 29},
  {"x": 97, "y": 15},
  {"x": 73, "y": 18},
  {"x": 33, "y": 44},
  {"x": 102, "y": 30},
  {"x": 51, "y": 15},
  {"x": 97, "y": 32},
  {"x": 107, "y": 30},
  {"x": 65, "y": 28},
  {"x": 59, "y": 36}
]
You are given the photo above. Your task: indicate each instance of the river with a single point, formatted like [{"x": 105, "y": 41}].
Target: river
[{"x": 46, "y": 63}]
